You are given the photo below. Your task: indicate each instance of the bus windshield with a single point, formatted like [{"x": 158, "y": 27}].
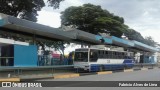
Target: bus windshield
[{"x": 81, "y": 56}]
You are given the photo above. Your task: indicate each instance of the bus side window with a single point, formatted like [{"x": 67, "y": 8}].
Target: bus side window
[
  {"x": 116, "y": 55},
  {"x": 125, "y": 55},
  {"x": 109, "y": 54},
  {"x": 93, "y": 56},
  {"x": 120, "y": 55},
  {"x": 101, "y": 54},
  {"x": 106, "y": 54},
  {"x": 130, "y": 56},
  {"x": 113, "y": 55}
]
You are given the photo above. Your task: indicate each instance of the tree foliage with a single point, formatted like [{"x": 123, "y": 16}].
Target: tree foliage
[
  {"x": 25, "y": 9},
  {"x": 134, "y": 35},
  {"x": 54, "y": 3},
  {"x": 57, "y": 45},
  {"x": 149, "y": 41},
  {"x": 93, "y": 19},
  {"x": 89, "y": 18}
]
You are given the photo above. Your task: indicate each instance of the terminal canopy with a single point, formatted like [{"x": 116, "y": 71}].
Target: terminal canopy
[{"x": 13, "y": 24}]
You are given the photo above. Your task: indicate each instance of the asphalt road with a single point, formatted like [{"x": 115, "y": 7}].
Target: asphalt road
[
  {"x": 143, "y": 75},
  {"x": 147, "y": 75}
]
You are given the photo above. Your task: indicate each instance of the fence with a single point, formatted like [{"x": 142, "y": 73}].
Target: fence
[
  {"x": 48, "y": 71},
  {"x": 46, "y": 60},
  {"x": 24, "y": 72}
]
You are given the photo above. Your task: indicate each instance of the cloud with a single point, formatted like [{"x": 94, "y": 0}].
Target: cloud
[
  {"x": 63, "y": 5},
  {"x": 49, "y": 18},
  {"x": 149, "y": 32},
  {"x": 141, "y": 15}
]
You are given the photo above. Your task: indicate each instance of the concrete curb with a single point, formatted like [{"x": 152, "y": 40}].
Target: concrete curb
[
  {"x": 144, "y": 68},
  {"x": 152, "y": 68},
  {"x": 52, "y": 77},
  {"x": 128, "y": 70},
  {"x": 66, "y": 76},
  {"x": 116, "y": 71},
  {"x": 10, "y": 80},
  {"x": 136, "y": 69},
  {"x": 156, "y": 68},
  {"x": 33, "y": 79},
  {"x": 104, "y": 72},
  {"x": 90, "y": 73}
]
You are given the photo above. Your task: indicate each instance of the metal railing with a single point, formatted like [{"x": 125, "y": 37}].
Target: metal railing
[
  {"x": 5, "y": 61},
  {"x": 45, "y": 60},
  {"x": 5, "y": 57},
  {"x": 49, "y": 71},
  {"x": 27, "y": 72}
]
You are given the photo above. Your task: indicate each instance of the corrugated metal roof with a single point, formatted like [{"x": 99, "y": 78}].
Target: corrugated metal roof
[
  {"x": 122, "y": 42},
  {"x": 145, "y": 47},
  {"x": 21, "y": 25},
  {"x": 15, "y": 24}
]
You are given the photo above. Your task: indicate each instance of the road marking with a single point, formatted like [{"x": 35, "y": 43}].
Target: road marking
[
  {"x": 144, "y": 68},
  {"x": 105, "y": 72},
  {"x": 66, "y": 76},
  {"x": 128, "y": 70},
  {"x": 10, "y": 80}
]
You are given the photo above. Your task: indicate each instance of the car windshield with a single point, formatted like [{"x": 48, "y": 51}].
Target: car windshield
[{"x": 81, "y": 56}]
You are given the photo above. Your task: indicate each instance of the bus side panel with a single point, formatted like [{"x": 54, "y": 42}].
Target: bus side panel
[
  {"x": 128, "y": 63},
  {"x": 94, "y": 67}
]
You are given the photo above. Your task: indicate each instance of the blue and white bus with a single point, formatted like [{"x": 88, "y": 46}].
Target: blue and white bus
[{"x": 97, "y": 59}]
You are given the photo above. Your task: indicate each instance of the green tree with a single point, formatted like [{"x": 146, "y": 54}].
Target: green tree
[
  {"x": 25, "y": 9},
  {"x": 54, "y": 3},
  {"x": 57, "y": 45},
  {"x": 149, "y": 41},
  {"x": 134, "y": 35},
  {"x": 93, "y": 19}
]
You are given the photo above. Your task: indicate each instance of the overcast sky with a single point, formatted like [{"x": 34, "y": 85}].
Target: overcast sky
[{"x": 141, "y": 15}]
